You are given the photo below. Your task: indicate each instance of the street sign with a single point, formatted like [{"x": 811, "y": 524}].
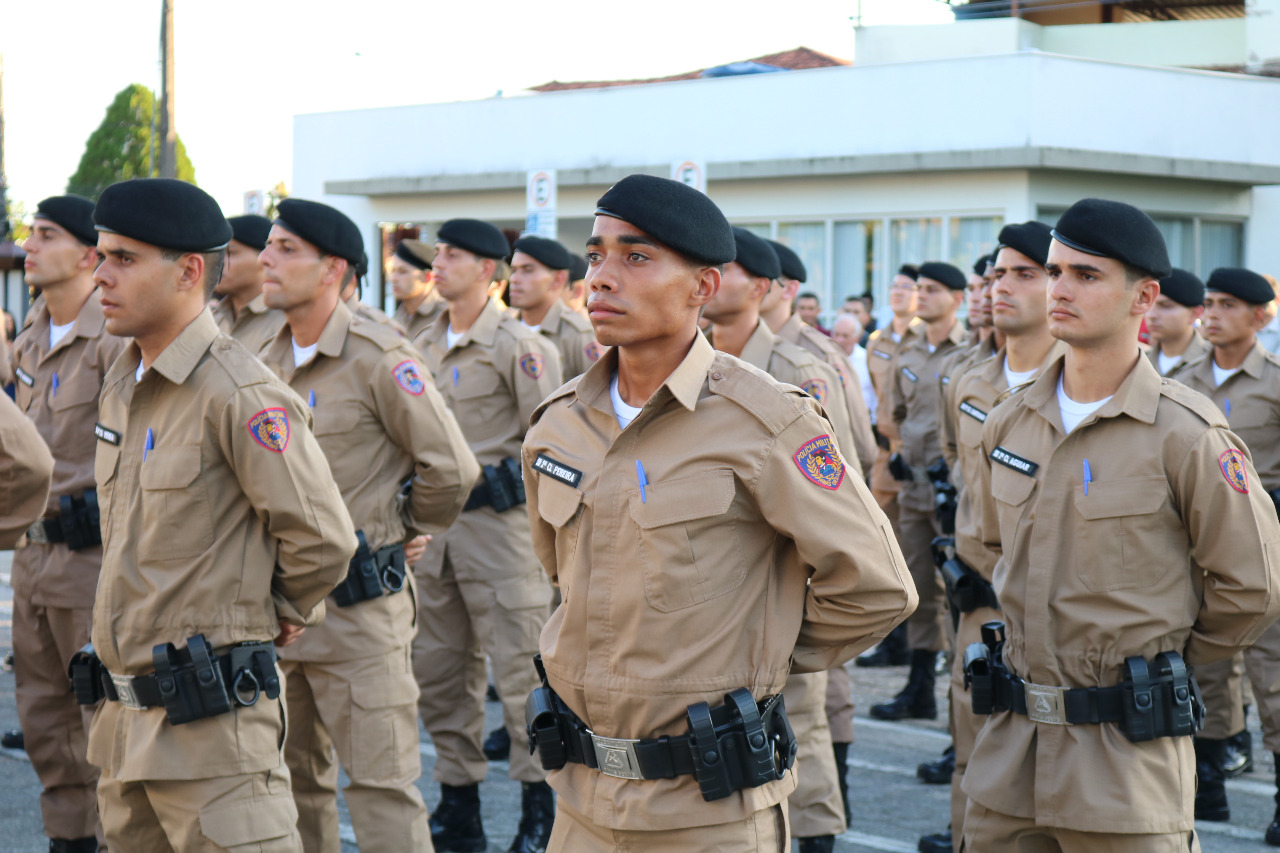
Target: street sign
[
  {"x": 691, "y": 172},
  {"x": 540, "y": 203}
]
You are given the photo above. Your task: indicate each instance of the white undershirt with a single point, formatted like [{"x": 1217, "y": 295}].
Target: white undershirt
[
  {"x": 624, "y": 413},
  {"x": 57, "y": 333},
  {"x": 1072, "y": 412},
  {"x": 301, "y": 355},
  {"x": 451, "y": 337},
  {"x": 530, "y": 328},
  {"x": 932, "y": 349},
  {"x": 137, "y": 374},
  {"x": 1221, "y": 374},
  {"x": 1167, "y": 362},
  {"x": 1014, "y": 378}
]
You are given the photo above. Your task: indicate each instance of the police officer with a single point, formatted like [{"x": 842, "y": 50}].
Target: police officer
[
  {"x": 349, "y": 682},
  {"x": 539, "y": 275},
  {"x": 1244, "y": 380},
  {"x": 1171, "y": 323},
  {"x": 1134, "y": 542},
  {"x": 914, "y": 410},
  {"x": 410, "y": 275},
  {"x": 59, "y": 362},
  {"x": 221, "y": 528},
  {"x": 242, "y": 313},
  {"x": 26, "y": 471},
  {"x": 350, "y": 296},
  {"x": 575, "y": 293},
  {"x": 678, "y": 493},
  {"x": 480, "y": 588}
]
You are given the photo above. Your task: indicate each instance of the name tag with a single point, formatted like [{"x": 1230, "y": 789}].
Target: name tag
[
  {"x": 878, "y": 354},
  {"x": 110, "y": 436},
  {"x": 1014, "y": 461},
  {"x": 24, "y": 377},
  {"x": 557, "y": 470},
  {"x": 973, "y": 412},
  {"x": 906, "y": 371}
]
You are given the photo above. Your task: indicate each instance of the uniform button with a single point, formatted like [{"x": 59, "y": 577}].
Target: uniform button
[{"x": 717, "y": 375}]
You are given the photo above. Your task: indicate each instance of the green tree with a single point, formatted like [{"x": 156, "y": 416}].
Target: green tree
[{"x": 121, "y": 146}]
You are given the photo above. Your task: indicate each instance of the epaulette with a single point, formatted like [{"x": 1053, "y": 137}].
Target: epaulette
[
  {"x": 1198, "y": 403},
  {"x": 517, "y": 330},
  {"x": 1009, "y": 392},
  {"x": 775, "y": 404},
  {"x": 576, "y": 321},
  {"x": 240, "y": 365},
  {"x": 383, "y": 336},
  {"x": 1271, "y": 357},
  {"x": 794, "y": 354},
  {"x": 563, "y": 391}
]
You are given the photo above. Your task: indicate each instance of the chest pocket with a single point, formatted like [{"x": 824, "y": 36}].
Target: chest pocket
[
  {"x": 1011, "y": 491},
  {"x": 105, "y": 463},
  {"x": 689, "y": 551},
  {"x": 80, "y": 391},
  {"x": 176, "y": 521},
  {"x": 335, "y": 419},
  {"x": 558, "y": 505},
  {"x": 1119, "y": 519},
  {"x": 480, "y": 403}
]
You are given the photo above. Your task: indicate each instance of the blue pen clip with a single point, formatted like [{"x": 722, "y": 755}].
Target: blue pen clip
[
  {"x": 1088, "y": 476},
  {"x": 55, "y": 384},
  {"x": 644, "y": 481},
  {"x": 1226, "y": 407},
  {"x": 311, "y": 398},
  {"x": 150, "y": 443},
  {"x": 455, "y": 377}
]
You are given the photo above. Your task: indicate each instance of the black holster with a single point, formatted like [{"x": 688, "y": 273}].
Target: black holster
[
  {"x": 985, "y": 675},
  {"x": 899, "y": 469},
  {"x": 370, "y": 573},
  {"x": 87, "y": 675},
  {"x": 1161, "y": 699},
  {"x": 966, "y": 589},
  {"x": 80, "y": 520}
]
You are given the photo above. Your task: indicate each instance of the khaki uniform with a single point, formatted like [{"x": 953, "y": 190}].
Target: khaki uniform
[
  {"x": 480, "y": 589},
  {"x": 255, "y": 326},
  {"x": 953, "y": 368},
  {"x": 350, "y": 683},
  {"x": 1164, "y": 553},
  {"x": 226, "y": 527},
  {"x": 26, "y": 470},
  {"x": 6, "y": 360},
  {"x": 574, "y": 338},
  {"x": 881, "y": 349},
  {"x": 417, "y": 323},
  {"x": 1196, "y": 350},
  {"x": 365, "y": 311},
  {"x": 914, "y": 410},
  {"x": 53, "y": 585},
  {"x": 730, "y": 525}
]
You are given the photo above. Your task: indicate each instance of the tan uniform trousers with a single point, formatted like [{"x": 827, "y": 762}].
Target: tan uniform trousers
[
  {"x": 1222, "y": 684},
  {"x": 249, "y": 813},
  {"x": 839, "y": 705},
  {"x": 54, "y": 725},
  {"x": 964, "y": 723},
  {"x": 916, "y": 532},
  {"x": 459, "y": 621},
  {"x": 1262, "y": 664},
  {"x": 365, "y": 710},
  {"x": 763, "y": 832},
  {"x": 814, "y": 807},
  {"x": 986, "y": 831},
  {"x": 883, "y": 487}
]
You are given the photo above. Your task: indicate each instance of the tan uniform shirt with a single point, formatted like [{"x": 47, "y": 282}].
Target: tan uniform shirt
[
  {"x": 806, "y": 337},
  {"x": 366, "y": 311},
  {"x": 65, "y": 418},
  {"x": 380, "y": 423},
  {"x": 26, "y": 469},
  {"x": 1173, "y": 549},
  {"x": 417, "y": 323},
  {"x": 1197, "y": 348},
  {"x": 953, "y": 367},
  {"x": 255, "y": 326},
  {"x": 6, "y": 360},
  {"x": 230, "y": 521},
  {"x": 574, "y": 338},
  {"x": 881, "y": 350},
  {"x": 1250, "y": 398},
  {"x": 698, "y": 586}
]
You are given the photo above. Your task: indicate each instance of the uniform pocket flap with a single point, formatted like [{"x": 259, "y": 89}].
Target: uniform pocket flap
[
  {"x": 251, "y": 821},
  {"x": 478, "y": 381},
  {"x": 335, "y": 418},
  {"x": 76, "y": 393},
  {"x": 701, "y": 495},
  {"x": 1009, "y": 487},
  {"x": 387, "y": 691},
  {"x": 104, "y": 462},
  {"x": 170, "y": 467},
  {"x": 1115, "y": 498},
  {"x": 557, "y": 502}
]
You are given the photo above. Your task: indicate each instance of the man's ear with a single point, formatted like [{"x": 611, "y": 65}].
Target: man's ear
[
  {"x": 708, "y": 284},
  {"x": 191, "y": 272}
]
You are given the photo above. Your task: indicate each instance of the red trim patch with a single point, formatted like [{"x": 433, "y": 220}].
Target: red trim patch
[
  {"x": 270, "y": 428},
  {"x": 1232, "y": 464},
  {"x": 407, "y": 377},
  {"x": 819, "y": 460},
  {"x": 531, "y": 364},
  {"x": 815, "y": 388}
]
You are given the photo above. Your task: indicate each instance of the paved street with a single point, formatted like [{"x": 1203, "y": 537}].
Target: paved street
[{"x": 891, "y": 808}]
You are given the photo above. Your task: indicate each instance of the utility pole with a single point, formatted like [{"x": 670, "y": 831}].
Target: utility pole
[{"x": 168, "y": 128}]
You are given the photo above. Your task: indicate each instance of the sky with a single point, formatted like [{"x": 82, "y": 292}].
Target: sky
[{"x": 244, "y": 69}]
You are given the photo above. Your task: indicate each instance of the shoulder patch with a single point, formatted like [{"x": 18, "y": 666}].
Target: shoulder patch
[
  {"x": 409, "y": 377},
  {"x": 820, "y": 462},
  {"x": 593, "y": 351},
  {"x": 531, "y": 363},
  {"x": 815, "y": 388},
  {"x": 1232, "y": 464},
  {"x": 270, "y": 428}
]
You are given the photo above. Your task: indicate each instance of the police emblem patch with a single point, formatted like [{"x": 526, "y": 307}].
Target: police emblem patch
[
  {"x": 815, "y": 388},
  {"x": 820, "y": 462},
  {"x": 270, "y": 428},
  {"x": 408, "y": 377},
  {"x": 1232, "y": 464},
  {"x": 593, "y": 351},
  {"x": 531, "y": 364}
]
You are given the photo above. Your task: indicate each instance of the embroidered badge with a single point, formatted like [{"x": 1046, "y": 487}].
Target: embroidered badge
[
  {"x": 820, "y": 462},
  {"x": 557, "y": 470},
  {"x": 593, "y": 351},
  {"x": 1232, "y": 464},
  {"x": 973, "y": 411},
  {"x": 881, "y": 354},
  {"x": 1014, "y": 461},
  {"x": 906, "y": 371},
  {"x": 270, "y": 428},
  {"x": 815, "y": 388},
  {"x": 24, "y": 377},
  {"x": 531, "y": 364},
  {"x": 106, "y": 434},
  {"x": 408, "y": 377}
]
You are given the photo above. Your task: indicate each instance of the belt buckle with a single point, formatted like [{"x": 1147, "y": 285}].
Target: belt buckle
[
  {"x": 37, "y": 534},
  {"x": 124, "y": 689},
  {"x": 1045, "y": 704},
  {"x": 616, "y": 757}
]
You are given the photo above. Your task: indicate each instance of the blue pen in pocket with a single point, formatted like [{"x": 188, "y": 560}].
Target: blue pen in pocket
[
  {"x": 1226, "y": 407},
  {"x": 455, "y": 377},
  {"x": 55, "y": 384},
  {"x": 1088, "y": 476},
  {"x": 311, "y": 398},
  {"x": 644, "y": 481},
  {"x": 149, "y": 444}
]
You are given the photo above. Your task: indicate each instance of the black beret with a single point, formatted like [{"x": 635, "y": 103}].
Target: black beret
[
  {"x": 911, "y": 271},
  {"x": 674, "y": 214},
  {"x": 549, "y": 253},
  {"x": 251, "y": 230},
  {"x": 792, "y": 266},
  {"x": 325, "y": 227},
  {"x": 72, "y": 212},
  {"x": 1242, "y": 284},
  {"x": 163, "y": 212},
  {"x": 1113, "y": 229},
  {"x": 944, "y": 274},
  {"x": 362, "y": 265},
  {"x": 980, "y": 265},
  {"x": 477, "y": 237},
  {"x": 1184, "y": 288},
  {"x": 413, "y": 253},
  {"x": 1030, "y": 238},
  {"x": 577, "y": 267},
  {"x": 755, "y": 255}
]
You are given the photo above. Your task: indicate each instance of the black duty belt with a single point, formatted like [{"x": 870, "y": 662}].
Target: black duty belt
[
  {"x": 371, "y": 574},
  {"x": 75, "y": 525},
  {"x": 501, "y": 487},
  {"x": 46, "y": 531}
]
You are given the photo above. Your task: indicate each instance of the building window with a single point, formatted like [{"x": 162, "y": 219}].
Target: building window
[
  {"x": 913, "y": 241},
  {"x": 1195, "y": 244},
  {"x": 856, "y": 259},
  {"x": 1221, "y": 245},
  {"x": 809, "y": 241},
  {"x": 971, "y": 238}
]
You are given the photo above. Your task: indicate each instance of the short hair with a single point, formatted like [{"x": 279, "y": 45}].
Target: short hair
[
  {"x": 214, "y": 262},
  {"x": 809, "y": 294},
  {"x": 852, "y": 298},
  {"x": 869, "y": 298}
]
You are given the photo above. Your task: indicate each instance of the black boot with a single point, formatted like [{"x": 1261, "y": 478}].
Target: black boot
[
  {"x": 537, "y": 812},
  {"x": 842, "y": 773},
  {"x": 818, "y": 844},
  {"x": 1273, "y": 831},
  {"x": 497, "y": 746},
  {"x": 13, "y": 739},
  {"x": 938, "y": 842},
  {"x": 1239, "y": 757},
  {"x": 892, "y": 651},
  {"x": 916, "y": 701},
  {"x": 73, "y": 845},
  {"x": 1211, "y": 793},
  {"x": 938, "y": 772},
  {"x": 455, "y": 824}
]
